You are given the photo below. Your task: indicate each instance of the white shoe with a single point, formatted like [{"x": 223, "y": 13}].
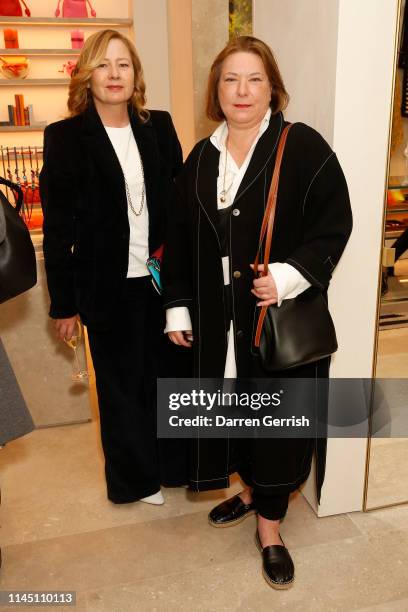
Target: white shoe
[{"x": 156, "y": 499}]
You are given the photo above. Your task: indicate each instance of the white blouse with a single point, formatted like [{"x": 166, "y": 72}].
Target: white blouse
[
  {"x": 289, "y": 282},
  {"x": 124, "y": 143}
]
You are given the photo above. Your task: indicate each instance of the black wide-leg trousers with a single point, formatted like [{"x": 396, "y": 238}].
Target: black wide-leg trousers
[
  {"x": 292, "y": 457},
  {"x": 125, "y": 359}
]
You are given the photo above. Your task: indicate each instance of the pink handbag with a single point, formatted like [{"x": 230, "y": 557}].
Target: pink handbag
[
  {"x": 77, "y": 39},
  {"x": 74, "y": 8}
]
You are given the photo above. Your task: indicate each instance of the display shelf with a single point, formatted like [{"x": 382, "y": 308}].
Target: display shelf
[
  {"x": 32, "y": 82},
  {"x": 393, "y": 233},
  {"x": 398, "y": 182},
  {"x": 44, "y": 90},
  {"x": 39, "y": 52},
  {"x": 64, "y": 21},
  {"x": 22, "y": 128},
  {"x": 396, "y": 209},
  {"x": 3, "y": 149}
]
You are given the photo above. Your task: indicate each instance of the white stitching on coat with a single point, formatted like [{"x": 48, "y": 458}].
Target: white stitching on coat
[{"x": 311, "y": 182}]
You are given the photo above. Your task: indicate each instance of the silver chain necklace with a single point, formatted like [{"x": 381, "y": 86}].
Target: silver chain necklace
[
  {"x": 129, "y": 197},
  {"x": 137, "y": 213},
  {"x": 224, "y": 191}
]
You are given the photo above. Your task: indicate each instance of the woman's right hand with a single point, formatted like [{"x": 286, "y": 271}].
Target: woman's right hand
[
  {"x": 182, "y": 338},
  {"x": 65, "y": 327}
]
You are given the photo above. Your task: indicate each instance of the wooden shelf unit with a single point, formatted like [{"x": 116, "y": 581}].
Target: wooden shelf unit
[
  {"x": 40, "y": 52},
  {"x": 64, "y": 21},
  {"x": 22, "y": 128},
  {"x": 33, "y": 82}
]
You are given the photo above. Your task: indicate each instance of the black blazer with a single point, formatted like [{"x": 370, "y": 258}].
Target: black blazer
[{"x": 86, "y": 228}]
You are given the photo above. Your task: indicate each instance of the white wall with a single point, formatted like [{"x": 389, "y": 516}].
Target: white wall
[
  {"x": 152, "y": 43},
  {"x": 361, "y": 142},
  {"x": 344, "y": 92},
  {"x": 303, "y": 36},
  {"x": 181, "y": 71}
]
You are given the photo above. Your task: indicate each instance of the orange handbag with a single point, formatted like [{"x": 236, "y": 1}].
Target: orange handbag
[{"x": 10, "y": 39}]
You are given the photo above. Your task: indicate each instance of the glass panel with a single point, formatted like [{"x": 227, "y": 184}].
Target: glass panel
[{"x": 387, "y": 482}]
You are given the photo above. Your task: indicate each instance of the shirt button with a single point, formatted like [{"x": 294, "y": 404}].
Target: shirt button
[
  {"x": 236, "y": 212},
  {"x": 237, "y": 274}
]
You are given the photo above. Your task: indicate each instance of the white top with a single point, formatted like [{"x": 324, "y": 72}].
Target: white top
[
  {"x": 124, "y": 143},
  {"x": 289, "y": 282}
]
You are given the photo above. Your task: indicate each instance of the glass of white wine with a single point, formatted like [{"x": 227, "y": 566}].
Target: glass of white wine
[{"x": 80, "y": 374}]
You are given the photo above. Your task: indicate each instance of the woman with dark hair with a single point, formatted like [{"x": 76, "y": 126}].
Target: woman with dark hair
[
  {"x": 209, "y": 286},
  {"x": 106, "y": 184}
]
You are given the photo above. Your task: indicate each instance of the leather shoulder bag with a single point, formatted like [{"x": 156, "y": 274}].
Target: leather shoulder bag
[
  {"x": 18, "y": 271},
  {"x": 301, "y": 330}
]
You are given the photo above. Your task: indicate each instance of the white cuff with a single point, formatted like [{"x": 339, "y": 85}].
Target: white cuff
[
  {"x": 177, "y": 319},
  {"x": 289, "y": 281}
]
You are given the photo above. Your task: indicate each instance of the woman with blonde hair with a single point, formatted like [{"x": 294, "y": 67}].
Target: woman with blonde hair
[{"x": 106, "y": 185}]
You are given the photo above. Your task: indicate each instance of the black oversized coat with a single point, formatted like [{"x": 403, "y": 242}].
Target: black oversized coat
[
  {"x": 86, "y": 227},
  {"x": 312, "y": 225}
]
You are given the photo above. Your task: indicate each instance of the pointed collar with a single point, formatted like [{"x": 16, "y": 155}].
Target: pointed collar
[
  {"x": 264, "y": 151},
  {"x": 219, "y": 136},
  {"x": 208, "y": 162}
]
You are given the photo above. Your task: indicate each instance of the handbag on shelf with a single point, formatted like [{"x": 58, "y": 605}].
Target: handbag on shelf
[
  {"x": 153, "y": 265},
  {"x": 68, "y": 67},
  {"x": 14, "y": 66},
  {"x": 10, "y": 39},
  {"x": 18, "y": 271},
  {"x": 301, "y": 330},
  {"x": 77, "y": 39},
  {"x": 12, "y": 8},
  {"x": 74, "y": 8}
]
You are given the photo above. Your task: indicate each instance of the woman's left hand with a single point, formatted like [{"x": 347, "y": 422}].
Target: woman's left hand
[{"x": 265, "y": 288}]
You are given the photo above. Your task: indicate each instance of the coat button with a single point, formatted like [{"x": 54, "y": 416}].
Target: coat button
[
  {"x": 237, "y": 274},
  {"x": 240, "y": 333},
  {"x": 236, "y": 212}
]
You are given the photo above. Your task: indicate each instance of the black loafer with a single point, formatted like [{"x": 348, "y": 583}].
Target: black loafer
[
  {"x": 230, "y": 512},
  {"x": 277, "y": 565}
]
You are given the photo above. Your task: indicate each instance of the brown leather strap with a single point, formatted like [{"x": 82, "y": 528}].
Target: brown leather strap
[{"x": 267, "y": 226}]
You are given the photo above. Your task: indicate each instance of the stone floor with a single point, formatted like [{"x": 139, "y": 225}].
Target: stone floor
[
  {"x": 59, "y": 532},
  {"x": 388, "y": 468}
]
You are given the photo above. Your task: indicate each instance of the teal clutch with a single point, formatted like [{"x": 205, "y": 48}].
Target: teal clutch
[{"x": 153, "y": 265}]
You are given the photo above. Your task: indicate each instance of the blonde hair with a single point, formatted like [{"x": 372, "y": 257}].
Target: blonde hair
[
  {"x": 248, "y": 44},
  {"x": 94, "y": 50}
]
